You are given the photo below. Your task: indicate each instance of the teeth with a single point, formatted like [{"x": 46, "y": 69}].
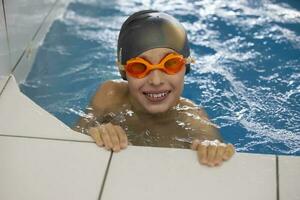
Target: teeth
[{"x": 159, "y": 95}]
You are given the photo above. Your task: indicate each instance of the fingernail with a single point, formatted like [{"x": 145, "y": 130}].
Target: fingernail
[
  {"x": 99, "y": 144},
  {"x": 204, "y": 161},
  {"x": 116, "y": 149}
]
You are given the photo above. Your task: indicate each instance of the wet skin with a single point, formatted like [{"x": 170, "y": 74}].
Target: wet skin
[{"x": 150, "y": 112}]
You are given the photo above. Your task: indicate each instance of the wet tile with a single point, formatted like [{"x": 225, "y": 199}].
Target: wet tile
[
  {"x": 23, "y": 20},
  {"x": 22, "y": 117},
  {"x": 163, "y": 173},
  {"x": 48, "y": 169},
  {"x": 3, "y": 80},
  {"x": 289, "y": 177},
  {"x": 5, "y": 67},
  {"x": 25, "y": 64}
]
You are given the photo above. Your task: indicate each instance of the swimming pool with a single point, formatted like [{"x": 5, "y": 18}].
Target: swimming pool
[{"x": 246, "y": 75}]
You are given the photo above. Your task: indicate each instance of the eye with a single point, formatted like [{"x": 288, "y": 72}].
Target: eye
[
  {"x": 174, "y": 64},
  {"x": 136, "y": 68}
]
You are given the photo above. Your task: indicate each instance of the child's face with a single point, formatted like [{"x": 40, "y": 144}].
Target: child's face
[{"x": 157, "y": 92}]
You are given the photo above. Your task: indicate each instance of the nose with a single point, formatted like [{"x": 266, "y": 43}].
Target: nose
[{"x": 156, "y": 77}]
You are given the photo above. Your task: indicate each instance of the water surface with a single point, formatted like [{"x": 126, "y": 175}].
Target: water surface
[{"x": 246, "y": 75}]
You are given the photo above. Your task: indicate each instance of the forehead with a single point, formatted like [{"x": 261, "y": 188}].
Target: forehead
[{"x": 156, "y": 52}]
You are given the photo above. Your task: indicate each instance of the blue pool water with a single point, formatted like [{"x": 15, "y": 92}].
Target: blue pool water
[{"x": 247, "y": 74}]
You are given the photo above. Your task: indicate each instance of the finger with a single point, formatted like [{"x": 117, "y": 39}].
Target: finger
[
  {"x": 202, "y": 153},
  {"x": 94, "y": 133},
  {"x": 195, "y": 144},
  {"x": 219, "y": 155},
  {"x": 211, "y": 154},
  {"x": 105, "y": 137},
  {"x": 228, "y": 152},
  {"x": 122, "y": 137},
  {"x": 114, "y": 138}
]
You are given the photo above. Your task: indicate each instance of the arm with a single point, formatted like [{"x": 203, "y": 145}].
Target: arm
[
  {"x": 107, "y": 99},
  {"x": 208, "y": 142},
  {"x": 209, "y": 130},
  {"x": 197, "y": 117},
  {"x": 95, "y": 110}
]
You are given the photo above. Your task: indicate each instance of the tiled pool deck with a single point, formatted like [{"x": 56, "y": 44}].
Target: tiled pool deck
[{"x": 41, "y": 158}]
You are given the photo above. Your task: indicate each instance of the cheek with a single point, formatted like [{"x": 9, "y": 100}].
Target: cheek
[
  {"x": 179, "y": 88},
  {"x": 178, "y": 82},
  {"x": 134, "y": 85}
]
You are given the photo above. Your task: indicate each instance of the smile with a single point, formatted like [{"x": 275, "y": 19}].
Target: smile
[{"x": 156, "y": 96}]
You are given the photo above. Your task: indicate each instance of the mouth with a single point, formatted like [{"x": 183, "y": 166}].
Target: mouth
[{"x": 157, "y": 97}]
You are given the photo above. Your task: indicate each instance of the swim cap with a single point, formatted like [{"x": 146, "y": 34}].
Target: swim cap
[{"x": 149, "y": 29}]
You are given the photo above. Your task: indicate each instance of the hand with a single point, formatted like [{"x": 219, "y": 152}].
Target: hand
[
  {"x": 212, "y": 153},
  {"x": 112, "y": 137}
]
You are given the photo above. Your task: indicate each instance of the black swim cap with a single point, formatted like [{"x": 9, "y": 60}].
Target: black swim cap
[{"x": 149, "y": 29}]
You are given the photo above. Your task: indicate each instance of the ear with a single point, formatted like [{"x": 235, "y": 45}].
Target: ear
[{"x": 121, "y": 70}]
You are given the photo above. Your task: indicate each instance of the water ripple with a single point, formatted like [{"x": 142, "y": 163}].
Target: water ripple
[{"x": 246, "y": 75}]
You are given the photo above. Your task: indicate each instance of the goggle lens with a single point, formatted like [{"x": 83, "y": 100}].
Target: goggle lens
[
  {"x": 173, "y": 65},
  {"x": 136, "y": 68}
]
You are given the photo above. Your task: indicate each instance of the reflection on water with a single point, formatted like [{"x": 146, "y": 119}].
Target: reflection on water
[
  {"x": 246, "y": 75},
  {"x": 177, "y": 128}
]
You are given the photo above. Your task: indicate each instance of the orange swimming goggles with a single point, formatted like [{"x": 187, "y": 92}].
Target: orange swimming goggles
[{"x": 171, "y": 64}]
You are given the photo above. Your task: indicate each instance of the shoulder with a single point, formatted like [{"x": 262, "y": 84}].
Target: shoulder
[
  {"x": 110, "y": 93},
  {"x": 200, "y": 121},
  {"x": 112, "y": 86},
  {"x": 187, "y": 102},
  {"x": 193, "y": 107}
]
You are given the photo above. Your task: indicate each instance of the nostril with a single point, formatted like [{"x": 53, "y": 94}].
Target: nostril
[{"x": 156, "y": 77}]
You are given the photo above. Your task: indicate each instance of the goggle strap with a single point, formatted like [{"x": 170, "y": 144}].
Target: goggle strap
[
  {"x": 120, "y": 66},
  {"x": 189, "y": 60}
]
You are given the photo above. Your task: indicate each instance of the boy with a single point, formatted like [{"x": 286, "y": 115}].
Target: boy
[{"x": 147, "y": 109}]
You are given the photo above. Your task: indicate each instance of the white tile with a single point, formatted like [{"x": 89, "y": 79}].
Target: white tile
[
  {"x": 23, "y": 20},
  {"x": 21, "y": 116},
  {"x": 47, "y": 169},
  {"x": 5, "y": 68},
  {"x": 164, "y": 173},
  {"x": 289, "y": 177}
]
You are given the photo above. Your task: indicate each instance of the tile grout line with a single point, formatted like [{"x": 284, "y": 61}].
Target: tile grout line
[
  {"x": 107, "y": 167},
  {"x": 41, "y": 138},
  {"x": 105, "y": 176},
  {"x": 6, "y": 83},
  {"x": 40, "y": 27},
  {"x": 4, "y": 13},
  {"x": 6, "y": 31},
  {"x": 277, "y": 179},
  {"x": 34, "y": 36},
  {"x": 8, "y": 42},
  {"x": 19, "y": 60}
]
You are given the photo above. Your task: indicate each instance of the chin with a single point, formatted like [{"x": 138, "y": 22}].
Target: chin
[{"x": 156, "y": 109}]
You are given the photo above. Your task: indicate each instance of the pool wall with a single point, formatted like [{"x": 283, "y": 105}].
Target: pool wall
[
  {"x": 23, "y": 28},
  {"x": 4, "y": 51},
  {"x": 41, "y": 158}
]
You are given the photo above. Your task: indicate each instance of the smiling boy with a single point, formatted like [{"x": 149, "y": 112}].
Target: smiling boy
[{"x": 147, "y": 108}]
